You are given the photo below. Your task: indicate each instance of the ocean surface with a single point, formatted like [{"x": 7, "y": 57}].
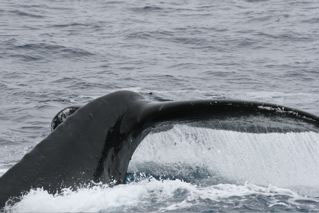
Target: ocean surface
[{"x": 56, "y": 53}]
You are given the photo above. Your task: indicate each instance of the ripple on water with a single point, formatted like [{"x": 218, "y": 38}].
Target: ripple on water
[{"x": 24, "y": 14}]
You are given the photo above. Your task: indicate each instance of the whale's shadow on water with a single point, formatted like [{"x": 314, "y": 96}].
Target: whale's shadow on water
[{"x": 96, "y": 142}]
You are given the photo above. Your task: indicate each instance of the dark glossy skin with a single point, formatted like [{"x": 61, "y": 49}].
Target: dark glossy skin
[{"x": 98, "y": 140}]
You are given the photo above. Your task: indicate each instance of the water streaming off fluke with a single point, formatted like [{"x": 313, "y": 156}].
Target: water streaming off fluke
[{"x": 287, "y": 159}]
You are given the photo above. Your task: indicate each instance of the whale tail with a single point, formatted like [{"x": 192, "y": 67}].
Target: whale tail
[{"x": 95, "y": 142}]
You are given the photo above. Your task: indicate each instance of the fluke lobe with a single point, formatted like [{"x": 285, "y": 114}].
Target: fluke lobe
[{"x": 97, "y": 141}]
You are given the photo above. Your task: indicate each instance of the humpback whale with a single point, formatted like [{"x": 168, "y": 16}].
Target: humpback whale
[{"x": 95, "y": 142}]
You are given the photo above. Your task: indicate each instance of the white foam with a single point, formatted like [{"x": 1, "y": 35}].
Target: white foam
[
  {"x": 142, "y": 194},
  {"x": 97, "y": 198}
]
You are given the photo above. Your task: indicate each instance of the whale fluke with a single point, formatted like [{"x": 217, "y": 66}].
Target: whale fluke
[{"x": 95, "y": 142}]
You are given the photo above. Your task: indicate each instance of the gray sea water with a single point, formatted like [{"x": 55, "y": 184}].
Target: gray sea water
[{"x": 57, "y": 53}]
